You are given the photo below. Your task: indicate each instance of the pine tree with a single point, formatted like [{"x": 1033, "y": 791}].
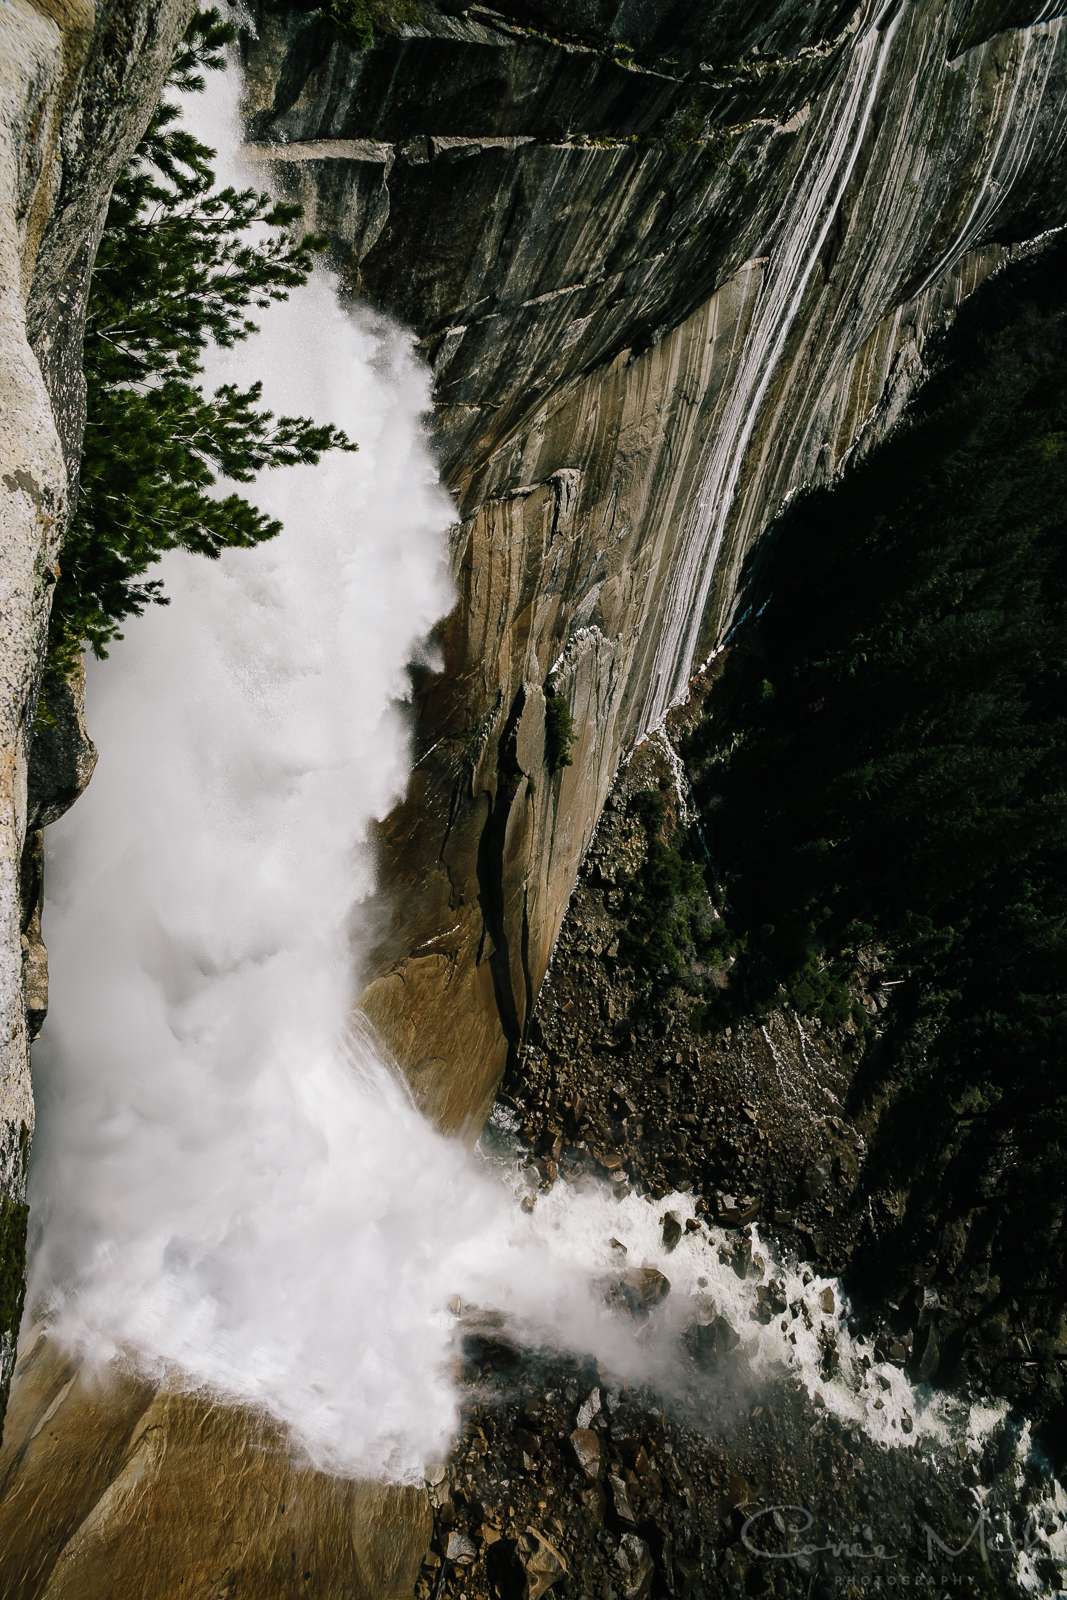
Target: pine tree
[{"x": 180, "y": 263}]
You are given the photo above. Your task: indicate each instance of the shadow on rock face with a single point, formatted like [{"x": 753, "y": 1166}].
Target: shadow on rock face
[
  {"x": 488, "y": 1349},
  {"x": 62, "y": 756}
]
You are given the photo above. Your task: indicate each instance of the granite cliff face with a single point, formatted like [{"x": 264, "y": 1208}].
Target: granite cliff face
[
  {"x": 78, "y": 84},
  {"x": 667, "y": 271},
  {"x": 108, "y": 1486}
]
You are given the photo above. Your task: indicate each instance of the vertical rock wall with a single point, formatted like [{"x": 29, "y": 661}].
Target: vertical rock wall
[
  {"x": 109, "y": 1486},
  {"x": 663, "y": 284},
  {"x": 77, "y": 87}
]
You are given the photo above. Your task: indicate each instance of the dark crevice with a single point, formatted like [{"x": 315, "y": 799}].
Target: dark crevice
[{"x": 491, "y": 877}]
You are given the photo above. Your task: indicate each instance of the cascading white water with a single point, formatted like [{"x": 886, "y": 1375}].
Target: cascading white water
[
  {"x": 230, "y": 1187},
  {"x": 225, "y": 1178}
]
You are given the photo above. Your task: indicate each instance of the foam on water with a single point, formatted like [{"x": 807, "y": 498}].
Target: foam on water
[
  {"x": 230, "y": 1186},
  {"x": 579, "y": 1227}
]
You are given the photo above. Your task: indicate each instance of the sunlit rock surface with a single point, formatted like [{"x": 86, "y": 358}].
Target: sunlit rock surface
[
  {"x": 111, "y": 1487},
  {"x": 659, "y": 296}
]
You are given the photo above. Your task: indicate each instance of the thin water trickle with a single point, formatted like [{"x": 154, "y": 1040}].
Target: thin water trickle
[
  {"x": 778, "y": 1067},
  {"x": 802, "y": 231},
  {"x": 791, "y": 256},
  {"x": 1017, "y": 126}
]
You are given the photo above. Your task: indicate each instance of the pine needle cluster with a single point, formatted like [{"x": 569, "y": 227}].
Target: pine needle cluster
[{"x": 180, "y": 265}]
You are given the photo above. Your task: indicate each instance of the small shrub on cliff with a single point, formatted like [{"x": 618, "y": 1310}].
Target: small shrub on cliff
[
  {"x": 354, "y": 21},
  {"x": 559, "y": 733},
  {"x": 179, "y": 264},
  {"x": 671, "y": 927}
]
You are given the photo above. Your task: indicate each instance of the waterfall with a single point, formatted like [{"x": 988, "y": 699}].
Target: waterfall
[
  {"x": 227, "y": 1180},
  {"x": 231, "y": 1188}
]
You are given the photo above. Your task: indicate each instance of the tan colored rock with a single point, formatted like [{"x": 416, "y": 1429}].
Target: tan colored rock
[
  {"x": 530, "y": 731},
  {"x": 543, "y": 1564},
  {"x": 110, "y": 1487},
  {"x": 635, "y": 1559},
  {"x": 586, "y": 1443},
  {"x": 645, "y": 1287},
  {"x": 621, "y": 1497},
  {"x": 461, "y": 1550},
  {"x": 639, "y": 351},
  {"x": 672, "y": 1230}
]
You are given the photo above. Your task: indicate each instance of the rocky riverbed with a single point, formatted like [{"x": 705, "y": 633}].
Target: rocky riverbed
[
  {"x": 733, "y": 1481},
  {"x": 817, "y": 1371}
]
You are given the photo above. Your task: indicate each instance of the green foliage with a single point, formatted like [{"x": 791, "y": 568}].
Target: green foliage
[
  {"x": 690, "y": 125},
  {"x": 354, "y": 21},
  {"x": 686, "y": 126},
  {"x": 886, "y": 756},
  {"x": 179, "y": 264},
  {"x": 671, "y": 926},
  {"x": 559, "y": 732},
  {"x": 14, "y": 1215},
  {"x": 818, "y": 990},
  {"x": 508, "y": 776}
]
